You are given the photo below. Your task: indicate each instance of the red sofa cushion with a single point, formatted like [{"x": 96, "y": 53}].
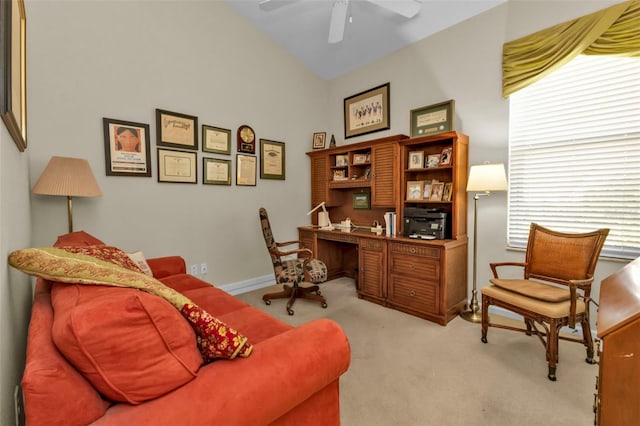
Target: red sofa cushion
[
  {"x": 78, "y": 238},
  {"x": 132, "y": 346}
]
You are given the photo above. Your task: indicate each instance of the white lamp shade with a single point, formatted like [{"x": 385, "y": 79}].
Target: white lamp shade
[
  {"x": 487, "y": 177},
  {"x": 67, "y": 176}
]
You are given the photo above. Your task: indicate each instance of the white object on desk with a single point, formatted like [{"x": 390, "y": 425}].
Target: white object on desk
[{"x": 323, "y": 217}]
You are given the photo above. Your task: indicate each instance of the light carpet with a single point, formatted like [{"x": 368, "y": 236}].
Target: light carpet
[{"x": 412, "y": 372}]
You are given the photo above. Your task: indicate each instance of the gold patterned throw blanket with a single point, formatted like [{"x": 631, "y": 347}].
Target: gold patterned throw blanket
[{"x": 110, "y": 266}]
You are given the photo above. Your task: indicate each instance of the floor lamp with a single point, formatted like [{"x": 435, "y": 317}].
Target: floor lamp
[
  {"x": 485, "y": 178},
  {"x": 69, "y": 177}
]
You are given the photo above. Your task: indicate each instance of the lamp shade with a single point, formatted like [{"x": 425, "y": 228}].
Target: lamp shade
[
  {"x": 487, "y": 177},
  {"x": 67, "y": 176}
]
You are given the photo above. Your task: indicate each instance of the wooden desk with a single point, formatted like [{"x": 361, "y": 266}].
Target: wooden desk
[{"x": 423, "y": 278}]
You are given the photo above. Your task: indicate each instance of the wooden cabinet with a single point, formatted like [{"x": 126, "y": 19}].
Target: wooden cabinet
[
  {"x": 618, "y": 381},
  {"x": 384, "y": 174},
  {"x": 372, "y": 269}
]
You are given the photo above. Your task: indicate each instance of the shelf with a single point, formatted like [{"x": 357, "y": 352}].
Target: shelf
[
  {"x": 350, "y": 183},
  {"x": 428, "y": 169}
]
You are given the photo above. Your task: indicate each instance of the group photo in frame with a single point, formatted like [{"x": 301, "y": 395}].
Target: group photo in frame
[
  {"x": 367, "y": 112},
  {"x": 216, "y": 171},
  {"x": 13, "y": 70},
  {"x": 246, "y": 170},
  {"x": 319, "y": 140},
  {"x": 176, "y": 130},
  {"x": 127, "y": 148},
  {"x": 432, "y": 119},
  {"x": 216, "y": 140},
  {"x": 272, "y": 160},
  {"x": 177, "y": 166}
]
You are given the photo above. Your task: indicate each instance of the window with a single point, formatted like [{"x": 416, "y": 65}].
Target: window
[{"x": 574, "y": 153}]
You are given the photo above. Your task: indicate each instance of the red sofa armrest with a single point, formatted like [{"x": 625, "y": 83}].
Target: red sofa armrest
[{"x": 165, "y": 266}]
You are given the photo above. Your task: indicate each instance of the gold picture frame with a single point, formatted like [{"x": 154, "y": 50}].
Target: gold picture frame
[
  {"x": 13, "y": 69},
  {"x": 416, "y": 160},
  {"x": 414, "y": 190},
  {"x": 367, "y": 112},
  {"x": 432, "y": 119},
  {"x": 246, "y": 166},
  {"x": 177, "y": 166}
]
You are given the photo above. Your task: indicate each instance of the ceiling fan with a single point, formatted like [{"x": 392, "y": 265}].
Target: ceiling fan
[{"x": 339, "y": 12}]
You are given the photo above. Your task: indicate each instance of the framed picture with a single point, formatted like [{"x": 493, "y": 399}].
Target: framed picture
[
  {"x": 342, "y": 160},
  {"x": 177, "y": 166},
  {"x": 426, "y": 191},
  {"x": 319, "y": 140},
  {"x": 416, "y": 160},
  {"x": 13, "y": 70},
  {"x": 127, "y": 148},
  {"x": 216, "y": 140},
  {"x": 361, "y": 200},
  {"x": 272, "y": 160},
  {"x": 367, "y": 112},
  {"x": 246, "y": 166},
  {"x": 433, "y": 160},
  {"x": 216, "y": 171},
  {"x": 445, "y": 157},
  {"x": 360, "y": 159},
  {"x": 436, "y": 191},
  {"x": 339, "y": 175},
  {"x": 432, "y": 119},
  {"x": 446, "y": 194},
  {"x": 414, "y": 189},
  {"x": 176, "y": 130}
]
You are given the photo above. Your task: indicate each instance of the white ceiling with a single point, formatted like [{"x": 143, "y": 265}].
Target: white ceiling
[{"x": 302, "y": 28}]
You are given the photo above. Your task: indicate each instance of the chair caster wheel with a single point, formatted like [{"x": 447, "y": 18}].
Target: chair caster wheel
[
  {"x": 318, "y": 293},
  {"x": 324, "y": 305},
  {"x": 484, "y": 339},
  {"x": 267, "y": 302},
  {"x": 552, "y": 374},
  {"x": 290, "y": 311}
]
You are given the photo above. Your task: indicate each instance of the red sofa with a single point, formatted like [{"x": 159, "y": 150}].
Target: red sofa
[{"x": 291, "y": 376}]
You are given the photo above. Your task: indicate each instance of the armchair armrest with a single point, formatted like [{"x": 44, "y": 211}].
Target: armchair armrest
[
  {"x": 496, "y": 265},
  {"x": 584, "y": 285}
]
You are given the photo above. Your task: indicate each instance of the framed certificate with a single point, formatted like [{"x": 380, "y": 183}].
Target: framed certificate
[
  {"x": 272, "y": 165},
  {"x": 246, "y": 166},
  {"x": 216, "y": 171},
  {"x": 177, "y": 166},
  {"x": 216, "y": 140}
]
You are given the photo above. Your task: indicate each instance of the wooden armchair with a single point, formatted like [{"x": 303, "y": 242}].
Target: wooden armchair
[
  {"x": 554, "y": 292},
  {"x": 290, "y": 272}
]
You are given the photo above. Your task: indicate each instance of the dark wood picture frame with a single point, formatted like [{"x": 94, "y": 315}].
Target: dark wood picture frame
[
  {"x": 216, "y": 171},
  {"x": 120, "y": 158},
  {"x": 216, "y": 140},
  {"x": 13, "y": 70},
  {"x": 272, "y": 160},
  {"x": 176, "y": 130},
  {"x": 319, "y": 140},
  {"x": 433, "y": 119},
  {"x": 177, "y": 166},
  {"x": 367, "y": 112}
]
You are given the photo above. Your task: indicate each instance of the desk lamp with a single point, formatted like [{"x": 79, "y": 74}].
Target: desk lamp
[
  {"x": 487, "y": 178},
  {"x": 323, "y": 217},
  {"x": 70, "y": 177}
]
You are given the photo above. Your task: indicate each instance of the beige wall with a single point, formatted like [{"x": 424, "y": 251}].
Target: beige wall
[{"x": 89, "y": 60}]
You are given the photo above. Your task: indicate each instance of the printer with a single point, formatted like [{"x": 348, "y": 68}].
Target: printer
[{"x": 426, "y": 224}]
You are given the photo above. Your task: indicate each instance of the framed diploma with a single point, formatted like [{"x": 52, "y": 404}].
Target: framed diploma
[
  {"x": 432, "y": 119},
  {"x": 216, "y": 140},
  {"x": 216, "y": 171},
  {"x": 246, "y": 166},
  {"x": 176, "y": 130},
  {"x": 272, "y": 164},
  {"x": 127, "y": 150},
  {"x": 177, "y": 166}
]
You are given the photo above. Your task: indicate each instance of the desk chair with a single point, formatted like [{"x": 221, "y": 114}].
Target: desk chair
[
  {"x": 565, "y": 264},
  {"x": 293, "y": 271}
]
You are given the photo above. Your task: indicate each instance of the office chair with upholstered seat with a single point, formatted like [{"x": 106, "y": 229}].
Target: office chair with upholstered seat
[
  {"x": 554, "y": 292},
  {"x": 293, "y": 271}
]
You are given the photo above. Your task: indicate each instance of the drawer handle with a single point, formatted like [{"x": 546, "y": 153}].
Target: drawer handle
[
  {"x": 412, "y": 293},
  {"x": 412, "y": 250}
]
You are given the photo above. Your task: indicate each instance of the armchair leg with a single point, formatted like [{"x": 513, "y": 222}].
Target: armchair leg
[
  {"x": 552, "y": 349},
  {"x": 485, "y": 318},
  {"x": 588, "y": 340}
]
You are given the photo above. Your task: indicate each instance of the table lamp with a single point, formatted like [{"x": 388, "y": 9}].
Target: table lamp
[
  {"x": 323, "y": 217},
  {"x": 485, "y": 178},
  {"x": 70, "y": 177}
]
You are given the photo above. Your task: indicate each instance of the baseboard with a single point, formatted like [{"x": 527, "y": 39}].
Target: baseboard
[
  {"x": 248, "y": 285},
  {"x": 508, "y": 314}
]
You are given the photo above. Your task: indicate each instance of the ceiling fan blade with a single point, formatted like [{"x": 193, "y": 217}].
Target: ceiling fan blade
[
  {"x": 406, "y": 8},
  {"x": 338, "y": 21},
  {"x": 269, "y": 5}
]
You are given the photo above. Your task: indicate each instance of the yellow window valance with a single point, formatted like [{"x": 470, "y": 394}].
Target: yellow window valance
[{"x": 611, "y": 31}]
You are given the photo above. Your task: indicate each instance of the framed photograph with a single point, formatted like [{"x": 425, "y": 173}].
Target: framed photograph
[
  {"x": 216, "y": 171},
  {"x": 342, "y": 160},
  {"x": 176, "y": 130},
  {"x": 339, "y": 175},
  {"x": 416, "y": 160},
  {"x": 436, "y": 191},
  {"x": 319, "y": 140},
  {"x": 445, "y": 157},
  {"x": 414, "y": 189},
  {"x": 272, "y": 160},
  {"x": 127, "y": 148},
  {"x": 446, "y": 193},
  {"x": 216, "y": 140},
  {"x": 13, "y": 70},
  {"x": 367, "y": 112},
  {"x": 426, "y": 191},
  {"x": 362, "y": 200},
  {"x": 433, "y": 160},
  {"x": 246, "y": 166},
  {"x": 360, "y": 159},
  {"x": 177, "y": 166},
  {"x": 432, "y": 119}
]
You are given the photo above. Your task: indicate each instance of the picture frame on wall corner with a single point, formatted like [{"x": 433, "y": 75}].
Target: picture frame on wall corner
[
  {"x": 432, "y": 119},
  {"x": 127, "y": 148},
  {"x": 13, "y": 70},
  {"x": 367, "y": 112},
  {"x": 177, "y": 166},
  {"x": 176, "y": 130},
  {"x": 272, "y": 160}
]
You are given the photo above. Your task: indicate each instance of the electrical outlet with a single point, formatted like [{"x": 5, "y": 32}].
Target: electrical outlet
[
  {"x": 203, "y": 268},
  {"x": 194, "y": 269}
]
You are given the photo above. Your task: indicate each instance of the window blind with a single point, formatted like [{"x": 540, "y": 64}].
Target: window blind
[{"x": 574, "y": 153}]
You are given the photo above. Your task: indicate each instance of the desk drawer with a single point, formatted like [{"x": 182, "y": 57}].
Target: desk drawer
[
  {"x": 415, "y": 266},
  {"x": 420, "y": 295},
  {"x": 415, "y": 250}
]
